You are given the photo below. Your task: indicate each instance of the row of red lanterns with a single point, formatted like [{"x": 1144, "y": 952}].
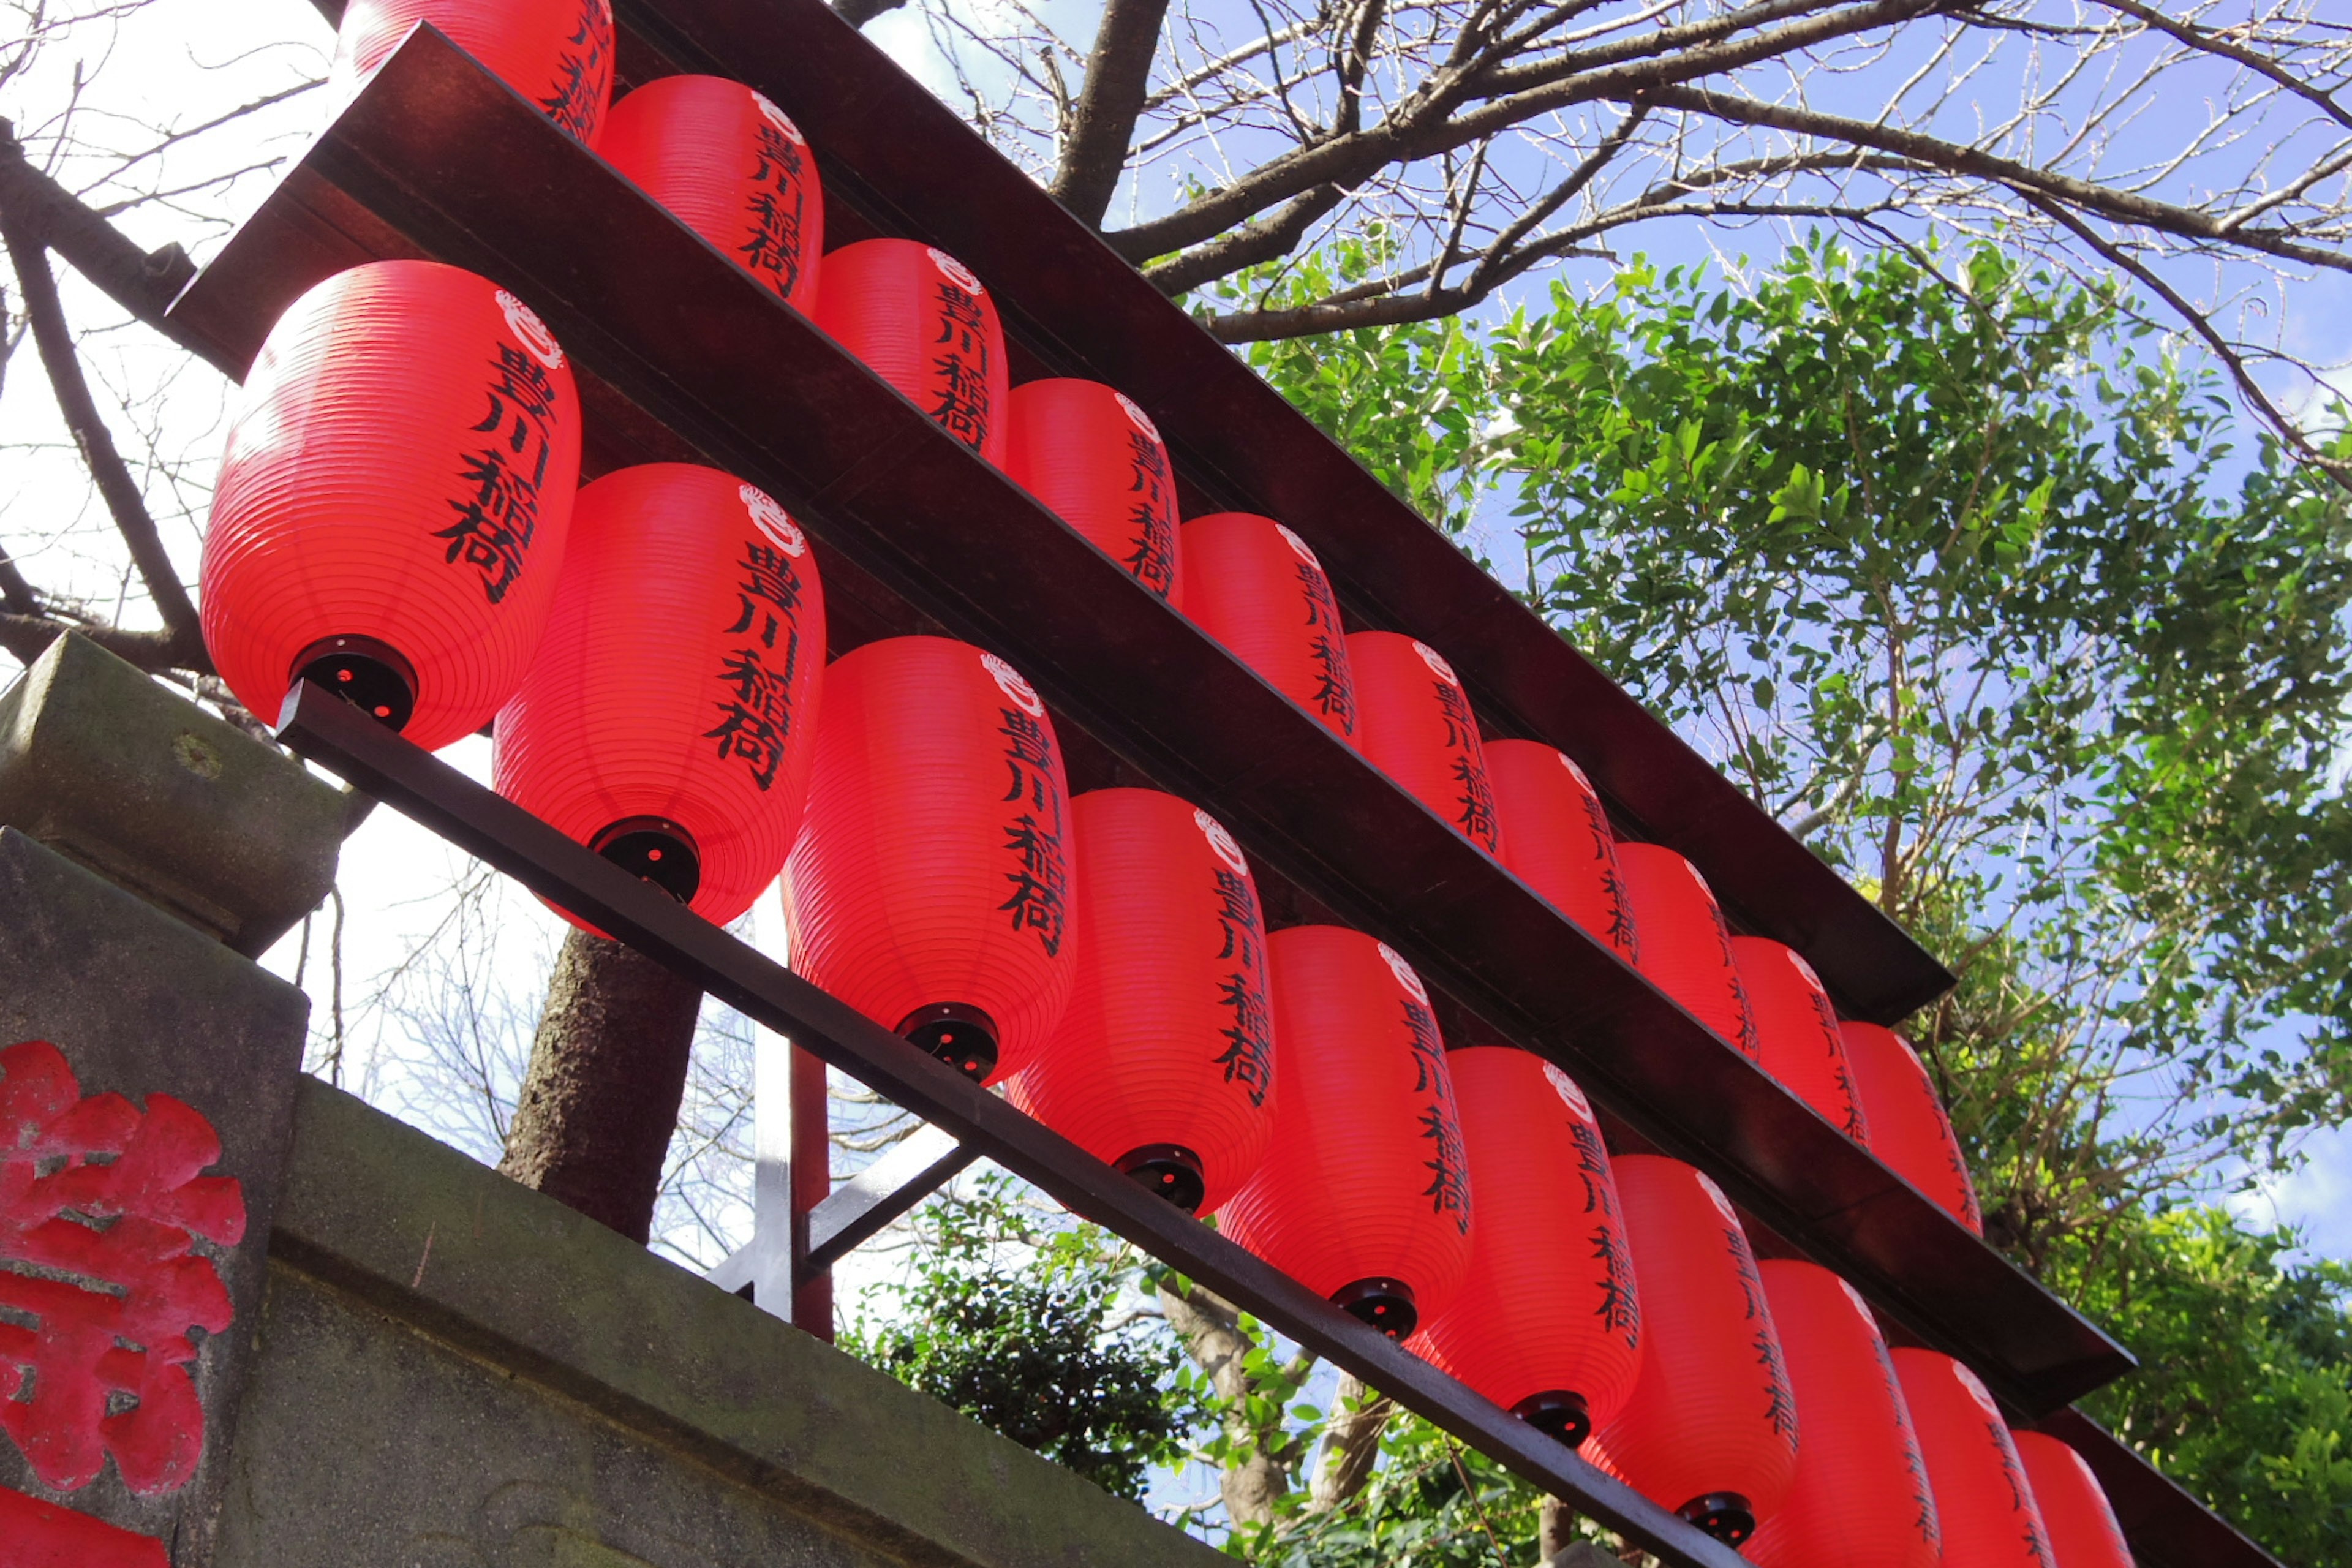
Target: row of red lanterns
[{"x": 1356, "y": 1181}]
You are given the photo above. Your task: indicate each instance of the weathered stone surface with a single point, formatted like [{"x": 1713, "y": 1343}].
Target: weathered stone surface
[
  {"x": 462, "y": 1372},
  {"x": 139, "y": 1004},
  {"x": 149, "y": 791}
]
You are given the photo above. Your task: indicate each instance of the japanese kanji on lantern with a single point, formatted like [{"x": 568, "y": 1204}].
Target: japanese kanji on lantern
[
  {"x": 556, "y": 53},
  {"x": 732, "y": 167},
  {"x": 391, "y": 515},
  {"x": 921, "y": 322},
  {"x": 1860, "y": 1498},
  {"x": 1557, "y": 839},
  {"x": 1710, "y": 1430},
  {"x": 1685, "y": 948},
  {"x": 1797, "y": 1037},
  {"x": 930, "y": 884},
  {"x": 2075, "y": 1513},
  {"x": 1164, "y": 1062},
  {"x": 1254, "y": 586},
  {"x": 1095, "y": 460},
  {"x": 1909, "y": 1129},
  {"x": 1364, "y": 1195},
  {"x": 1548, "y": 1323},
  {"x": 1415, "y": 725},
  {"x": 670, "y": 719},
  {"x": 1983, "y": 1501}
]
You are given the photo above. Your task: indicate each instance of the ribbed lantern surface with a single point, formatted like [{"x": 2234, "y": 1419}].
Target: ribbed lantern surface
[
  {"x": 1095, "y": 460},
  {"x": 732, "y": 167},
  {"x": 929, "y": 887},
  {"x": 1164, "y": 1062},
  {"x": 1797, "y": 1036},
  {"x": 392, "y": 511},
  {"x": 2074, "y": 1510},
  {"x": 1983, "y": 1501},
  {"x": 1685, "y": 948},
  {"x": 556, "y": 53},
  {"x": 1862, "y": 1498},
  {"x": 669, "y": 721},
  {"x": 1711, "y": 1428},
  {"x": 923, "y": 323},
  {"x": 1255, "y": 588},
  {"x": 1547, "y": 1324},
  {"x": 1909, "y": 1129},
  {"x": 1364, "y": 1195},
  {"x": 1414, "y": 723},
  {"x": 1557, "y": 839}
]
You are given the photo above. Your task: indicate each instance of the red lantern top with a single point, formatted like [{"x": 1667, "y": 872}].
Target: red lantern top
[
  {"x": 1557, "y": 839},
  {"x": 391, "y": 515},
  {"x": 1548, "y": 1323},
  {"x": 2082, "y": 1526},
  {"x": 1255, "y": 588},
  {"x": 1164, "y": 1064},
  {"x": 929, "y": 887},
  {"x": 922, "y": 321},
  {"x": 670, "y": 719},
  {"x": 556, "y": 53},
  {"x": 732, "y": 167},
  {"x": 1909, "y": 1129},
  {"x": 1797, "y": 1036},
  {"x": 1364, "y": 1195},
  {"x": 1097, "y": 461},
  {"x": 1685, "y": 947},
  {"x": 1983, "y": 1498},
  {"x": 1711, "y": 1428},
  {"x": 1415, "y": 725},
  {"x": 1860, "y": 1498}
]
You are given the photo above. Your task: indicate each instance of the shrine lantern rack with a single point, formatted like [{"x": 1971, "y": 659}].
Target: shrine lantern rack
[{"x": 681, "y": 356}]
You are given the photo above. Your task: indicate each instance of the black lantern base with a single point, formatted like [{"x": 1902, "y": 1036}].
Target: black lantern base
[
  {"x": 1557, "y": 1413},
  {"x": 372, "y": 677},
  {"x": 1170, "y": 1170},
  {"x": 1386, "y": 1304},
  {"x": 957, "y": 1034},
  {"x": 1726, "y": 1516},
  {"x": 656, "y": 850}
]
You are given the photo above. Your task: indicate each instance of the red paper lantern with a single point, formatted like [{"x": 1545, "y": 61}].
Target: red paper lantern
[
  {"x": 1097, "y": 461},
  {"x": 391, "y": 515},
  {"x": 556, "y": 53},
  {"x": 1548, "y": 1323},
  {"x": 2081, "y": 1524},
  {"x": 921, "y": 322},
  {"x": 1255, "y": 588},
  {"x": 1557, "y": 839},
  {"x": 1364, "y": 1195},
  {"x": 1909, "y": 1129},
  {"x": 1711, "y": 1428},
  {"x": 1797, "y": 1037},
  {"x": 669, "y": 721},
  {"x": 1982, "y": 1498},
  {"x": 1163, "y": 1064},
  {"x": 1685, "y": 947},
  {"x": 929, "y": 887},
  {"x": 1415, "y": 725},
  {"x": 1860, "y": 1498},
  {"x": 732, "y": 167}
]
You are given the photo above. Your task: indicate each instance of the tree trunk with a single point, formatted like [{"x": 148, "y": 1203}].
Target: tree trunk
[
  {"x": 1211, "y": 1328},
  {"x": 607, "y": 1073},
  {"x": 1352, "y": 1443}
]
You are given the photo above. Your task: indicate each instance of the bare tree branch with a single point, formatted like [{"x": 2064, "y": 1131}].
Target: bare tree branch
[{"x": 1102, "y": 123}]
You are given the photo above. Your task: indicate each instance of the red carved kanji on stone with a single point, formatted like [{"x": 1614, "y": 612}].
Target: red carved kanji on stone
[{"x": 100, "y": 1205}]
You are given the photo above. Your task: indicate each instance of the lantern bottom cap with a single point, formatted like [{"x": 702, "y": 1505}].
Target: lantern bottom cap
[
  {"x": 1726, "y": 1516},
  {"x": 373, "y": 676},
  {"x": 654, "y": 849},
  {"x": 1386, "y": 1304},
  {"x": 1557, "y": 1413},
  {"x": 1170, "y": 1170},
  {"x": 958, "y": 1033}
]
